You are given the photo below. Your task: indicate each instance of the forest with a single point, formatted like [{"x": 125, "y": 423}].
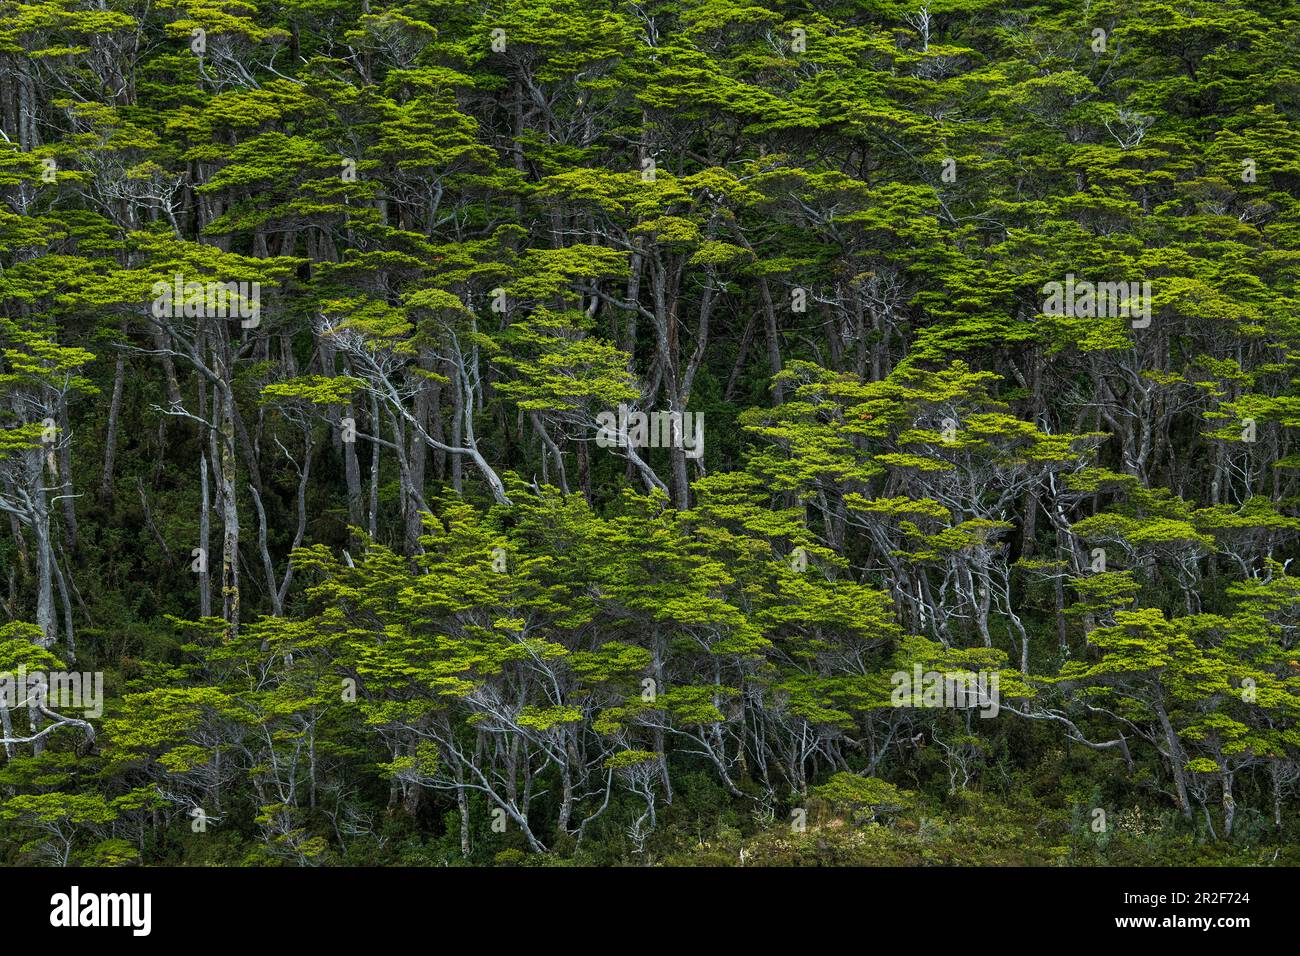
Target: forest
[{"x": 544, "y": 433}]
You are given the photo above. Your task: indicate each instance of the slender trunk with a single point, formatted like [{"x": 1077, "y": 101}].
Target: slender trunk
[
  {"x": 205, "y": 537},
  {"x": 229, "y": 514},
  {"x": 773, "y": 340},
  {"x": 110, "y": 438},
  {"x": 372, "y": 524},
  {"x": 1229, "y": 805},
  {"x": 67, "y": 500},
  {"x": 1175, "y": 760}
]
